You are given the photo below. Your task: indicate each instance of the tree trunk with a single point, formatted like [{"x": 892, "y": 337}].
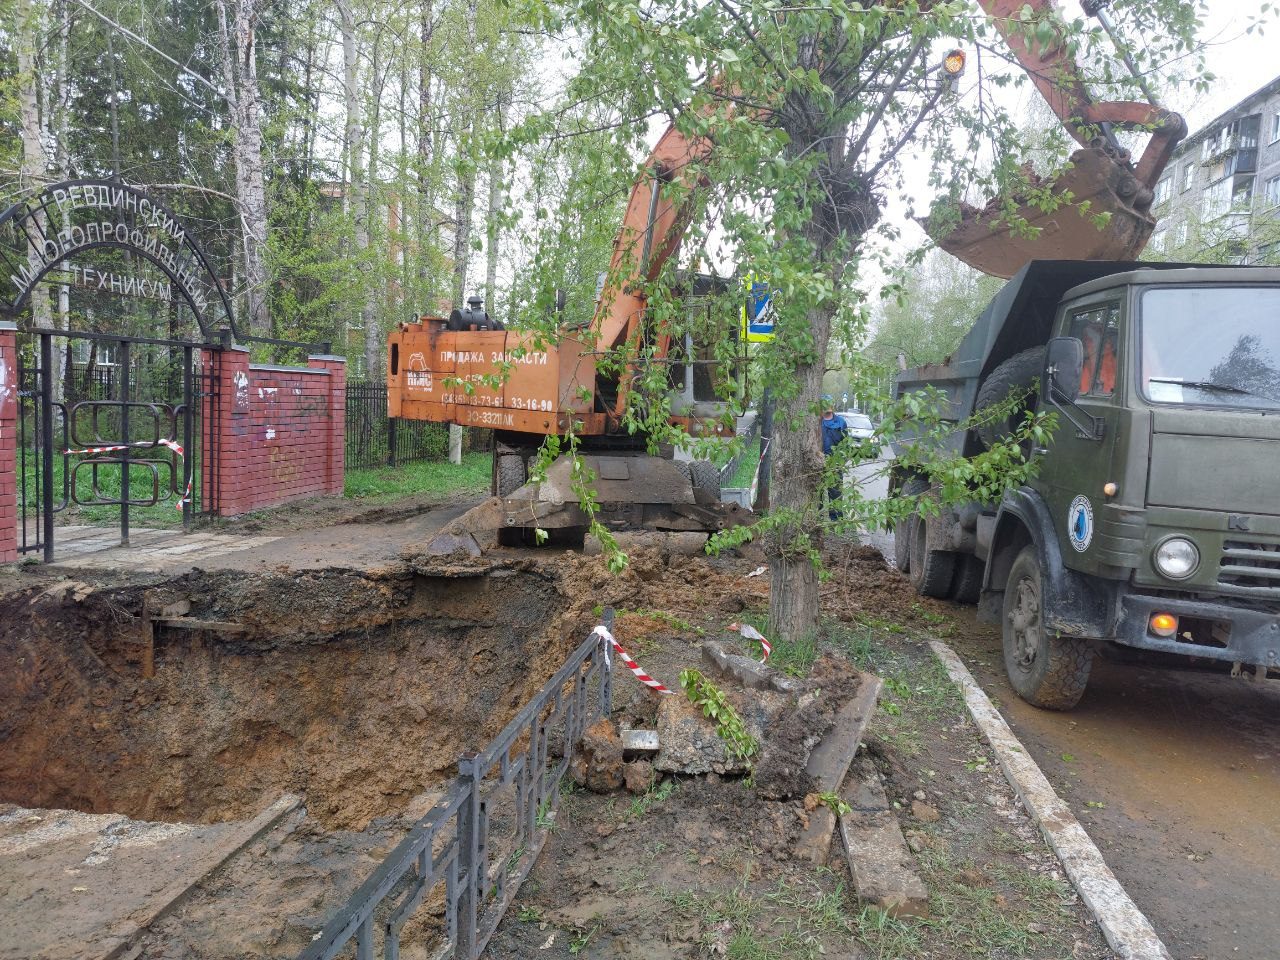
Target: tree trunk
[
  {"x": 33, "y": 167},
  {"x": 465, "y": 196},
  {"x": 354, "y": 142},
  {"x": 797, "y": 443},
  {"x": 372, "y": 221},
  {"x": 493, "y": 230},
  {"x": 426, "y": 141},
  {"x": 240, "y": 72},
  {"x": 455, "y": 443}
]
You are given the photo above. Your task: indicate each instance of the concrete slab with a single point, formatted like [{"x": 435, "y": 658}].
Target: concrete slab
[
  {"x": 368, "y": 545},
  {"x": 881, "y": 865},
  {"x": 84, "y": 885},
  {"x": 829, "y": 763}
]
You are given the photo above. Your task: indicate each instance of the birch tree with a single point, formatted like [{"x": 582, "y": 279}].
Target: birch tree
[{"x": 236, "y": 25}]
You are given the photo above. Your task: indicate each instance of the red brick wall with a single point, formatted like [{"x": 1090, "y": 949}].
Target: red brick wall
[
  {"x": 280, "y": 432},
  {"x": 8, "y": 444}
]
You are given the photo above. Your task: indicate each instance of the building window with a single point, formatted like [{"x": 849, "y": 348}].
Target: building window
[
  {"x": 1180, "y": 235},
  {"x": 1275, "y": 128},
  {"x": 1188, "y": 175},
  {"x": 1216, "y": 200},
  {"x": 1158, "y": 238},
  {"x": 1163, "y": 189},
  {"x": 1272, "y": 191}
]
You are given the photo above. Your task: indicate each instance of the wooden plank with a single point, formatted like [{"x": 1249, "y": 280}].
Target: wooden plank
[{"x": 191, "y": 623}]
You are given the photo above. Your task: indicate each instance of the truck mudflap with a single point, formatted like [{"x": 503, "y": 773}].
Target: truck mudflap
[
  {"x": 1251, "y": 636},
  {"x": 1073, "y": 605}
]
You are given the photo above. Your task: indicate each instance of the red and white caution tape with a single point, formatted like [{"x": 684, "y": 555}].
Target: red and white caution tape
[
  {"x": 148, "y": 444},
  {"x": 171, "y": 444},
  {"x": 648, "y": 681},
  {"x": 751, "y": 633}
]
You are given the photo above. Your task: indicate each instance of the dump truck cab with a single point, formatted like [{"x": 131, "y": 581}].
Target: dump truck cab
[{"x": 1154, "y": 519}]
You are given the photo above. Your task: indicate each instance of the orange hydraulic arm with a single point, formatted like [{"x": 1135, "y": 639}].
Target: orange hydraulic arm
[
  {"x": 1057, "y": 76},
  {"x": 651, "y": 231},
  {"x": 1101, "y": 174}
]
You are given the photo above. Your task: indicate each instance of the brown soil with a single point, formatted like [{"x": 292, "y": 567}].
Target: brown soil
[{"x": 357, "y": 691}]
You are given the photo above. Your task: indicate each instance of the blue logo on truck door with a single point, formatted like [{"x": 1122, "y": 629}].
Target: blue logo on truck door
[{"x": 1080, "y": 523}]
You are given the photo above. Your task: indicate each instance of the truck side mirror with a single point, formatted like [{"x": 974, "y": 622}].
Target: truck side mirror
[{"x": 1063, "y": 366}]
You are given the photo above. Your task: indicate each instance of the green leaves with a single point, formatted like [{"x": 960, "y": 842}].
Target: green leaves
[{"x": 729, "y": 725}]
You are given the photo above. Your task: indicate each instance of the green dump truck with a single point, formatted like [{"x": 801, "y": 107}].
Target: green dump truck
[{"x": 1154, "y": 519}]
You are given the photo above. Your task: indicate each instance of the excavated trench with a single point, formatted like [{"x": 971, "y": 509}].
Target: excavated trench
[{"x": 355, "y": 690}]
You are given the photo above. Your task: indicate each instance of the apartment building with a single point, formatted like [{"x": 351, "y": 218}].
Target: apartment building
[{"x": 1219, "y": 200}]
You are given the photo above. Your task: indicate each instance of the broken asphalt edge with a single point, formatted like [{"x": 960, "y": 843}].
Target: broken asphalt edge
[{"x": 1128, "y": 932}]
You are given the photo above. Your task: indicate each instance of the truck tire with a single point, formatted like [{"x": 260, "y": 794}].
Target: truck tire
[
  {"x": 1015, "y": 375},
  {"x": 509, "y": 474},
  {"x": 1046, "y": 671},
  {"x": 966, "y": 587},
  {"x": 931, "y": 570},
  {"x": 705, "y": 477},
  {"x": 905, "y": 529}
]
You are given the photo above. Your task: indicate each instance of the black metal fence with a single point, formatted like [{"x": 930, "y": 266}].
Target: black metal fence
[
  {"x": 374, "y": 439},
  {"x": 377, "y": 440},
  {"x": 481, "y": 840}
]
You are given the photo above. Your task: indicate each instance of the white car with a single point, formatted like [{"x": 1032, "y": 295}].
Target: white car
[{"x": 858, "y": 425}]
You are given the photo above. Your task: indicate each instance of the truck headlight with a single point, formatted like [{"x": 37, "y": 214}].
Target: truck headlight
[{"x": 1177, "y": 558}]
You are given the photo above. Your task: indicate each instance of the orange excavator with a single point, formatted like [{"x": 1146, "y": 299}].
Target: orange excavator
[{"x": 467, "y": 369}]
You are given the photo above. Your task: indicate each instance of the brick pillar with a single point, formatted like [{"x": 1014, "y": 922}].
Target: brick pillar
[
  {"x": 227, "y": 431},
  {"x": 336, "y": 431},
  {"x": 8, "y": 443}
]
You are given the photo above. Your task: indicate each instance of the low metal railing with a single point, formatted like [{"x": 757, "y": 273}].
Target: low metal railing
[{"x": 513, "y": 784}]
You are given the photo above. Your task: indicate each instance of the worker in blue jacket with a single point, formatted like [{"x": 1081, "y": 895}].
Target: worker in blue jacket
[{"x": 834, "y": 430}]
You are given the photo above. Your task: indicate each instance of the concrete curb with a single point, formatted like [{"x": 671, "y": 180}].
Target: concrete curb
[{"x": 1128, "y": 932}]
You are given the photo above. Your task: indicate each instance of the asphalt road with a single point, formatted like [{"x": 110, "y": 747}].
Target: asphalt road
[{"x": 1174, "y": 772}]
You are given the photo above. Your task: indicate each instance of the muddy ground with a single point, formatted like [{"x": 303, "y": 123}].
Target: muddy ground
[
  {"x": 1174, "y": 772},
  {"x": 702, "y": 866},
  {"x": 358, "y": 690}
]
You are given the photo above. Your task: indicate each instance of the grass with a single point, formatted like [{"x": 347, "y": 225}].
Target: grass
[
  {"x": 654, "y": 795},
  {"x": 746, "y": 471},
  {"x": 793, "y": 657},
  {"x": 439, "y": 478},
  {"x": 161, "y": 514}
]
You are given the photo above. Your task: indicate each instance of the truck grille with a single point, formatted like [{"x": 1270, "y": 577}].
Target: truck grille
[{"x": 1250, "y": 569}]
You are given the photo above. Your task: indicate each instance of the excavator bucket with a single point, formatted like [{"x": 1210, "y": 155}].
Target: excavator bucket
[
  {"x": 984, "y": 240},
  {"x": 632, "y": 493}
]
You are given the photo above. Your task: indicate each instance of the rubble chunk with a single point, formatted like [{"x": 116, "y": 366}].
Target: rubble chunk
[{"x": 598, "y": 765}]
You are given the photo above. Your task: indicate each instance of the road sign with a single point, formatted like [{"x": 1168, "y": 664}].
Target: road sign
[{"x": 758, "y": 313}]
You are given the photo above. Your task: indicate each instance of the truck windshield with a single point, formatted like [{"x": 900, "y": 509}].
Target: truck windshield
[{"x": 1211, "y": 346}]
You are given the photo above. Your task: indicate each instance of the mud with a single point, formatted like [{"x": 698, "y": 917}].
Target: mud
[{"x": 356, "y": 691}]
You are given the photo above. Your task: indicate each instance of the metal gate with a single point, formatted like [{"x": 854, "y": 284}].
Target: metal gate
[{"x": 127, "y": 429}]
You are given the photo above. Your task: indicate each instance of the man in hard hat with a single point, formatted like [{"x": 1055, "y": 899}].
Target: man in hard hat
[{"x": 834, "y": 430}]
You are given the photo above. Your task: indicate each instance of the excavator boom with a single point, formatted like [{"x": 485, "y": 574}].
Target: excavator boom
[{"x": 1101, "y": 172}]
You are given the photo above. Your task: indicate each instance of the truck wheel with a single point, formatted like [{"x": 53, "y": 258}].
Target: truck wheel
[
  {"x": 931, "y": 570},
  {"x": 509, "y": 474},
  {"x": 705, "y": 477},
  {"x": 904, "y": 530},
  {"x": 967, "y": 585},
  {"x": 1046, "y": 671},
  {"x": 1015, "y": 375}
]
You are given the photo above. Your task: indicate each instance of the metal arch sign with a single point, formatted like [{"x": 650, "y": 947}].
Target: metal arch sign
[{"x": 48, "y": 227}]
